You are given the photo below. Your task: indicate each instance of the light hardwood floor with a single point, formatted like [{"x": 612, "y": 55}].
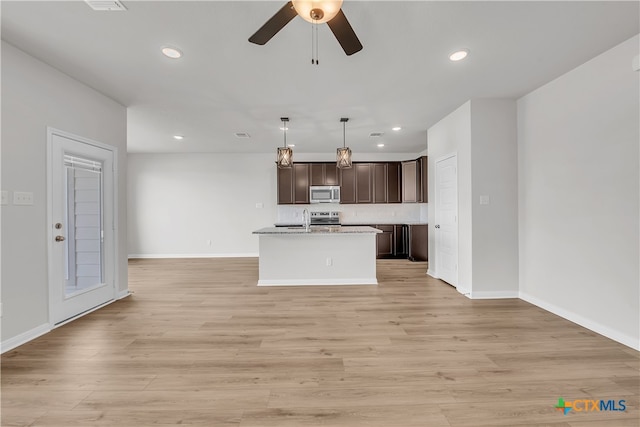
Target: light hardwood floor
[{"x": 199, "y": 344}]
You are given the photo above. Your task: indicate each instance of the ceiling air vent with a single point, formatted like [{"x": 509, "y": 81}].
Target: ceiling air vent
[
  {"x": 376, "y": 134},
  {"x": 242, "y": 135},
  {"x": 106, "y": 5}
]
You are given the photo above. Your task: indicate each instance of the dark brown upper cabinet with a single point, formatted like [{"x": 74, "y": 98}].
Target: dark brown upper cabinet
[
  {"x": 410, "y": 181},
  {"x": 414, "y": 180},
  {"x": 364, "y": 182},
  {"x": 383, "y": 182},
  {"x": 324, "y": 174},
  {"x": 301, "y": 174},
  {"x": 387, "y": 183},
  {"x": 293, "y": 184},
  {"x": 380, "y": 173},
  {"x": 285, "y": 186},
  {"x": 348, "y": 185}
]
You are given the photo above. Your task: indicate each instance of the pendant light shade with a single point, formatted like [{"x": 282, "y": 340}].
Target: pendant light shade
[
  {"x": 284, "y": 158},
  {"x": 343, "y": 157}
]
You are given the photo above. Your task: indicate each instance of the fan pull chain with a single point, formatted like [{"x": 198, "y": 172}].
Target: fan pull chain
[{"x": 314, "y": 43}]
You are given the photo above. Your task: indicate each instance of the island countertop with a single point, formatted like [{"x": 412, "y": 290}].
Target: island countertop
[{"x": 319, "y": 230}]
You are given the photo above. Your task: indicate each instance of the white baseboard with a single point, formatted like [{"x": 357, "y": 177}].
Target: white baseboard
[
  {"x": 606, "y": 331},
  {"x": 322, "y": 282},
  {"x": 241, "y": 255},
  {"x": 494, "y": 295},
  {"x": 432, "y": 273},
  {"x": 24, "y": 337}
]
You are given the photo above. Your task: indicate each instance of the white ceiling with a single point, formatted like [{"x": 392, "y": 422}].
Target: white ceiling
[{"x": 224, "y": 84}]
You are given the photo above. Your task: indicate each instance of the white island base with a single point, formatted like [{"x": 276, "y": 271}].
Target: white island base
[{"x": 327, "y": 256}]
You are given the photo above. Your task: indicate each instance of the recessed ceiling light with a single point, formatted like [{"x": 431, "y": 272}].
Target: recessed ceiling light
[
  {"x": 380, "y": 145},
  {"x": 171, "y": 52},
  {"x": 397, "y": 128},
  {"x": 459, "y": 55},
  {"x": 178, "y": 137}
]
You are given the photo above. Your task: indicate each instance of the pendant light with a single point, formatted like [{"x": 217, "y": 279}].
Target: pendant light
[
  {"x": 285, "y": 153},
  {"x": 343, "y": 158}
]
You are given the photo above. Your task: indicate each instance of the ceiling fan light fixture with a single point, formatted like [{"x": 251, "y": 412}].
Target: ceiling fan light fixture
[{"x": 322, "y": 10}]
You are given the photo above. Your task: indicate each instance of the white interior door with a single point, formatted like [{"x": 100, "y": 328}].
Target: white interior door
[
  {"x": 446, "y": 220},
  {"x": 81, "y": 221}
]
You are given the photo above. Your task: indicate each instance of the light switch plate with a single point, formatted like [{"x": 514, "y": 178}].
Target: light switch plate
[
  {"x": 4, "y": 200},
  {"x": 22, "y": 198}
]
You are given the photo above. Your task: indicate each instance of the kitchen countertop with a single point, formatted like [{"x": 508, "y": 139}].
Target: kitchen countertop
[
  {"x": 386, "y": 223},
  {"x": 323, "y": 229}
]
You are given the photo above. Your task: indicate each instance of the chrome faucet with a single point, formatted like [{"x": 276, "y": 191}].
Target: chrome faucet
[{"x": 306, "y": 217}]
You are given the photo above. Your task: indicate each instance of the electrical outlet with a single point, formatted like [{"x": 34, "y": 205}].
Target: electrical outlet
[
  {"x": 259, "y": 205},
  {"x": 4, "y": 200},
  {"x": 22, "y": 198},
  {"x": 484, "y": 200}
]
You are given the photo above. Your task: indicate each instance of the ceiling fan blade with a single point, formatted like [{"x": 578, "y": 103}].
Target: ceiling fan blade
[
  {"x": 345, "y": 34},
  {"x": 275, "y": 24}
]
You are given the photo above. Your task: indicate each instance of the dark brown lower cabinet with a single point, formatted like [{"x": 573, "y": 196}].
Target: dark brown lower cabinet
[
  {"x": 385, "y": 241},
  {"x": 419, "y": 242}
]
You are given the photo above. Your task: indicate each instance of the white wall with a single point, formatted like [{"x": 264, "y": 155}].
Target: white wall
[
  {"x": 482, "y": 133},
  {"x": 179, "y": 202},
  {"x": 579, "y": 195},
  {"x": 35, "y": 96},
  {"x": 494, "y": 173},
  {"x": 452, "y": 135}
]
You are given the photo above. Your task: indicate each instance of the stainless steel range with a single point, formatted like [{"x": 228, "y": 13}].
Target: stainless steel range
[{"x": 325, "y": 218}]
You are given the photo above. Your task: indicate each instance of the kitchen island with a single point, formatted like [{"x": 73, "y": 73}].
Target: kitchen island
[{"x": 334, "y": 255}]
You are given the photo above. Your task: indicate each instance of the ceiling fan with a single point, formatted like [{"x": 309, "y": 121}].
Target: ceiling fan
[{"x": 316, "y": 12}]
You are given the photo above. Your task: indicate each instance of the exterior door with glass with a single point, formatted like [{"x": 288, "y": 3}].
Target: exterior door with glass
[{"x": 81, "y": 225}]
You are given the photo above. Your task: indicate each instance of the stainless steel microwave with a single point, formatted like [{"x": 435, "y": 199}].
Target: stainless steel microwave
[{"x": 324, "y": 194}]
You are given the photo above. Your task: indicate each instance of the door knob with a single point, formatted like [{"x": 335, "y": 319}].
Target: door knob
[{"x": 59, "y": 238}]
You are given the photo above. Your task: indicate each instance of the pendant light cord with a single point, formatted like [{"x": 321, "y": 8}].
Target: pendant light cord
[
  {"x": 344, "y": 134},
  {"x": 284, "y": 128}
]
